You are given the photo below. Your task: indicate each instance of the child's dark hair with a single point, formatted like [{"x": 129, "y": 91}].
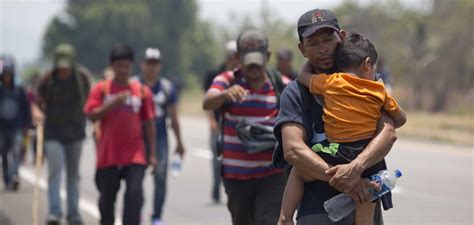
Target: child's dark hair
[
  {"x": 121, "y": 51},
  {"x": 353, "y": 50}
]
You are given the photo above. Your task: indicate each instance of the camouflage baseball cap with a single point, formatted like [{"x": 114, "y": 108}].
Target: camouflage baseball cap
[
  {"x": 252, "y": 46},
  {"x": 64, "y": 56}
]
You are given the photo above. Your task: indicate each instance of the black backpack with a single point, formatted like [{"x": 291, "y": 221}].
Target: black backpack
[{"x": 313, "y": 109}]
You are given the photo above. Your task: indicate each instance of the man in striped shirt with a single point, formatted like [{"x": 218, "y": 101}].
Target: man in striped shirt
[{"x": 253, "y": 186}]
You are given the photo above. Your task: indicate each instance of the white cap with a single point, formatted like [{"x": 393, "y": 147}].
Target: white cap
[
  {"x": 230, "y": 47},
  {"x": 152, "y": 54}
]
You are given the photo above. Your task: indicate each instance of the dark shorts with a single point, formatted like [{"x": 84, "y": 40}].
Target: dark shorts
[{"x": 349, "y": 151}]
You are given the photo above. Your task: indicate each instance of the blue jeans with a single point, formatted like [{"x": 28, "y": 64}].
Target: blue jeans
[
  {"x": 216, "y": 168},
  {"x": 58, "y": 154},
  {"x": 10, "y": 151},
  {"x": 161, "y": 152}
]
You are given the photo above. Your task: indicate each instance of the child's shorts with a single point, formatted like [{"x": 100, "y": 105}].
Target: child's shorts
[{"x": 343, "y": 153}]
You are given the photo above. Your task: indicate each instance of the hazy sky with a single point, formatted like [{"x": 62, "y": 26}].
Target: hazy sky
[{"x": 23, "y": 22}]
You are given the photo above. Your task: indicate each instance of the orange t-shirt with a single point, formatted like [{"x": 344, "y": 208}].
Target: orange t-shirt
[{"x": 352, "y": 105}]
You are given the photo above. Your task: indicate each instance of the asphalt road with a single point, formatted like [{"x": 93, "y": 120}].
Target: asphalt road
[{"x": 436, "y": 187}]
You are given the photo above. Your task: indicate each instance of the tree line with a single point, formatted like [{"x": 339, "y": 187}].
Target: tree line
[{"x": 428, "y": 52}]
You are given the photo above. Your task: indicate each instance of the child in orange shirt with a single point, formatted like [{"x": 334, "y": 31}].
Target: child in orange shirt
[{"x": 353, "y": 104}]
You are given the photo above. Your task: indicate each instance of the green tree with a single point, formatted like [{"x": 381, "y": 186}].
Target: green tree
[{"x": 171, "y": 25}]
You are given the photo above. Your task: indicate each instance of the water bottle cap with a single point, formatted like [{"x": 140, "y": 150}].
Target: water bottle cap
[{"x": 398, "y": 173}]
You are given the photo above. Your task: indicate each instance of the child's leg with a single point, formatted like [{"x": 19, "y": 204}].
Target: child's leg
[
  {"x": 291, "y": 197},
  {"x": 364, "y": 214}
]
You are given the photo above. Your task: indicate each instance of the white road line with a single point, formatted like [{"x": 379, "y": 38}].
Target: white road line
[
  {"x": 203, "y": 153},
  {"x": 86, "y": 206}
]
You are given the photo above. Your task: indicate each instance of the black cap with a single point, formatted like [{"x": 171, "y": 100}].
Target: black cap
[
  {"x": 253, "y": 47},
  {"x": 121, "y": 51},
  {"x": 314, "y": 20}
]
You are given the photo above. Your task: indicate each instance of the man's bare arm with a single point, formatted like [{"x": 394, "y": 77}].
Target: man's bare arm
[
  {"x": 305, "y": 74},
  {"x": 310, "y": 166},
  {"x": 99, "y": 112},
  {"x": 380, "y": 145},
  {"x": 214, "y": 100},
  {"x": 399, "y": 118}
]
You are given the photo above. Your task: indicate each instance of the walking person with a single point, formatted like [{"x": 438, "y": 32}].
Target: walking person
[
  {"x": 62, "y": 93},
  {"x": 123, "y": 106},
  {"x": 249, "y": 97},
  {"x": 165, "y": 99},
  {"x": 15, "y": 120},
  {"x": 284, "y": 65},
  {"x": 230, "y": 63},
  {"x": 300, "y": 125}
]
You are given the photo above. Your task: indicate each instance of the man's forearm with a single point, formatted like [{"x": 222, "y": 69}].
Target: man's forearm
[
  {"x": 213, "y": 100},
  {"x": 176, "y": 129},
  {"x": 298, "y": 154},
  {"x": 173, "y": 112},
  {"x": 99, "y": 112},
  {"x": 380, "y": 145},
  {"x": 151, "y": 137}
]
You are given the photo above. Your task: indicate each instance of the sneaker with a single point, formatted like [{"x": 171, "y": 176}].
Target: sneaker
[
  {"x": 157, "y": 222},
  {"x": 53, "y": 220}
]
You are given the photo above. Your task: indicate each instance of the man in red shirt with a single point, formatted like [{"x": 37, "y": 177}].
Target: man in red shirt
[{"x": 122, "y": 106}]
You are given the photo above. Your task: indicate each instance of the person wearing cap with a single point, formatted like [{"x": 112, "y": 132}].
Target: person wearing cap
[
  {"x": 230, "y": 63},
  {"x": 62, "y": 93},
  {"x": 15, "y": 119},
  {"x": 253, "y": 186},
  {"x": 165, "y": 98},
  {"x": 300, "y": 125},
  {"x": 284, "y": 59},
  {"x": 125, "y": 110}
]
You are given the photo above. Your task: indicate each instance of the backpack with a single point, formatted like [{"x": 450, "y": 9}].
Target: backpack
[
  {"x": 311, "y": 108},
  {"x": 277, "y": 82},
  {"x": 81, "y": 81}
]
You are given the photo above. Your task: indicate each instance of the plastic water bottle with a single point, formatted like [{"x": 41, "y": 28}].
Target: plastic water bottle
[
  {"x": 342, "y": 205},
  {"x": 176, "y": 166}
]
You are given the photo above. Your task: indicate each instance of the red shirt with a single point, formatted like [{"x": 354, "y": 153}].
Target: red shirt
[{"x": 121, "y": 141}]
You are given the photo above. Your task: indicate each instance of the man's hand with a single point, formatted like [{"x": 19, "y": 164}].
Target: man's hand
[
  {"x": 361, "y": 193},
  {"x": 180, "y": 150},
  {"x": 36, "y": 115},
  {"x": 345, "y": 177},
  {"x": 152, "y": 163},
  {"x": 214, "y": 126},
  {"x": 120, "y": 97},
  {"x": 236, "y": 93}
]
